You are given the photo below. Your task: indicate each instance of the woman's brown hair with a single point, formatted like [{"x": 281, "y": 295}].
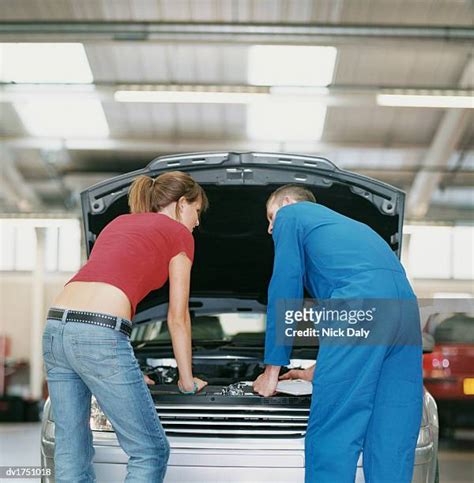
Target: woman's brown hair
[{"x": 153, "y": 194}]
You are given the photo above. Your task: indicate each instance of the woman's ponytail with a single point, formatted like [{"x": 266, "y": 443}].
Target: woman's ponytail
[
  {"x": 140, "y": 195},
  {"x": 152, "y": 195}
]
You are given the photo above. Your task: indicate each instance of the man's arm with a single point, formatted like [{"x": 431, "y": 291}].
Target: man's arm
[{"x": 286, "y": 284}]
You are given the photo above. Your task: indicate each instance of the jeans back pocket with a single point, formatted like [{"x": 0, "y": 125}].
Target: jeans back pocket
[
  {"x": 48, "y": 355},
  {"x": 96, "y": 357}
]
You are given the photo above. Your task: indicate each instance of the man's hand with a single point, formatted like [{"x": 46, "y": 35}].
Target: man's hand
[
  {"x": 305, "y": 374},
  {"x": 266, "y": 383}
]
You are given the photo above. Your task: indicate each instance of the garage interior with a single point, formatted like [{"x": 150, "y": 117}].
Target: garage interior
[{"x": 93, "y": 89}]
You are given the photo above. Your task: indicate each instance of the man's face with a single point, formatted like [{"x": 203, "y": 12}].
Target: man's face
[{"x": 273, "y": 207}]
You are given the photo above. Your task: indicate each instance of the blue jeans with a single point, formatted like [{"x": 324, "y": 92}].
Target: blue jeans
[{"x": 83, "y": 360}]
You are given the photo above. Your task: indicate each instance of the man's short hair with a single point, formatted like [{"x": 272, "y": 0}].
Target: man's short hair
[{"x": 295, "y": 191}]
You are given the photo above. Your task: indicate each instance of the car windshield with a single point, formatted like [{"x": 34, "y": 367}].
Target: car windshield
[
  {"x": 458, "y": 329},
  {"x": 238, "y": 328}
]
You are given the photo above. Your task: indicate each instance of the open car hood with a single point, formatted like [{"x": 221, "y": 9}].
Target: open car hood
[{"x": 234, "y": 253}]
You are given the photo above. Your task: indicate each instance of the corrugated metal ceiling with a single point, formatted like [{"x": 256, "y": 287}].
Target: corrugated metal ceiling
[
  {"x": 401, "y": 12},
  {"x": 370, "y": 65}
]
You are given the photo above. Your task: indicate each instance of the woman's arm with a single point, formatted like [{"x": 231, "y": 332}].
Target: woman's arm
[{"x": 179, "y": 321}]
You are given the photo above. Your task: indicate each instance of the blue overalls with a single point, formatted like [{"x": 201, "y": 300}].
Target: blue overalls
[{"x": 366, "y": 397}]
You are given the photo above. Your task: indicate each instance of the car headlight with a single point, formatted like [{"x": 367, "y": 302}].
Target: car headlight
[
  {"x": 424, "y": 437},
  {"x": 98, "y": 420},
  {"x": 48, "y": 431}
]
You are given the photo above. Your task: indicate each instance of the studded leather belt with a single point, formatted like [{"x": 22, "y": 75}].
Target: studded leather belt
[{"x": 94, "y": 318}]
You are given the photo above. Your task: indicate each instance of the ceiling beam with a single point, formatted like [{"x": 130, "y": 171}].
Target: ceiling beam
[
  {"x": 399, "y": 157},
  {"x": 403, "y": 177},
  {"x": 182, "y": 145},
  {"x": 331, "y": 96},
  {"x": 450, "y": 214},
  {"x": 8, "y": 194},
  {"x": 213, "y": 32},
  {"x": 447, "y": 136},
  {"x": 19, "y": 191}
]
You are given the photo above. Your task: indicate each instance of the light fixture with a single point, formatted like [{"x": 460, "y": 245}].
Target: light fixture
[
  {"x": 218, "y": 94},
  {"x": 291, "y": 65},
  {"x": 188, "y": 97},
  {"x": 461, "y": 100},
  {"x": 67, "y": 119},
  {"x": 44, "y": 63},
  {"x": 285, "y": 121}
]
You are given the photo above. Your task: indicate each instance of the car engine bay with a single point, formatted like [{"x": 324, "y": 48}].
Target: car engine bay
[{"x": 229, "y": 382}]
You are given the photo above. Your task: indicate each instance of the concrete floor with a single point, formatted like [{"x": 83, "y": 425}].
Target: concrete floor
[
  {"x": 19, "y": 446},
  {"x": 456, "y": 458}
]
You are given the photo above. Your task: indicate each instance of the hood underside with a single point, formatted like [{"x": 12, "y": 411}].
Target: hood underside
[{"x": 234, "y": 253}]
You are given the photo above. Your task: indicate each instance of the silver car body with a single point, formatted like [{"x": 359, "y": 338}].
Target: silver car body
[{"x": 219, "y": 459}]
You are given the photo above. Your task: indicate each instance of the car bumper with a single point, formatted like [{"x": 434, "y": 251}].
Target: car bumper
[{"x": 217, "y": 460}]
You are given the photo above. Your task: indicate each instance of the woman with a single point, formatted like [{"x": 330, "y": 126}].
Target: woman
[{"x": 86, "y": 347}]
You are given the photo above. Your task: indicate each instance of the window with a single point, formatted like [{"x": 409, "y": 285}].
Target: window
[
  {"x": 18, "y": 244},
  {"x": 441, "y": 252}
]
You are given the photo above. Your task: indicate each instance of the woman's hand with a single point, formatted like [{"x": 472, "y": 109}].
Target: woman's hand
[
  {"x": 149, "y": 381},
  {"x": 305, "y": 374},
  {"x": 190, "y": 387}
]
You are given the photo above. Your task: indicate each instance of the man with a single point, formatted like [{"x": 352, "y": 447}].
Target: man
[{"x": 366, "y": 396}]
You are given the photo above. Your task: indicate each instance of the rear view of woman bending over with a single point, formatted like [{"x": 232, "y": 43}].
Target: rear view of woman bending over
[{"x": 86, "y": 345}]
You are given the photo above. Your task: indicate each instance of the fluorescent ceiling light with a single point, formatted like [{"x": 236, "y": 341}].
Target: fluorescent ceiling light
[
  {"x": 44, "y": 63},
  {"x": 189, "y": 97},
  {"x": 64, "y": 119},
  {"x": 285, "y": 121},
  {"x": 291, "y": 65},
  {"x": 412, "y": 100},
  {"x": 209, "y": 94}
]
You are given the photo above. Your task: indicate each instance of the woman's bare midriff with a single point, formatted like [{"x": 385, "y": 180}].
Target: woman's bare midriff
[{"x": 94, "y": 297}]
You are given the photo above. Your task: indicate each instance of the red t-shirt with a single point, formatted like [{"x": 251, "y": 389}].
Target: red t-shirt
[{"x": 133, "y": 253}]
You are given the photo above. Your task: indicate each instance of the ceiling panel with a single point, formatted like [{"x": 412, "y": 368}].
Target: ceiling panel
[
  {"x": 145, "y": 121},
  {"x": 227, "y": 64},
  {"x": 389, "y": 126},
  {"x": 419, "y": 12},
  {"x": 402, "y": 12},
  {"x": 400, "y": 66},
  {"x": 181, "y": 63}
]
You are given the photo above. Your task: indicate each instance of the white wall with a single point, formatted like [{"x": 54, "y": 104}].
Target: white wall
[{"x": 16, "y": 307}]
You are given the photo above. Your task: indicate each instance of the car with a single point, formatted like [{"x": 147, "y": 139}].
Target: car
[
  {"x": 227, "y": 433},
  {"x": 449, "y": 370}
]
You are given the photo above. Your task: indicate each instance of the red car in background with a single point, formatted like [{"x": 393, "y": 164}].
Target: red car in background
[{"x": 449, "y": 371}]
